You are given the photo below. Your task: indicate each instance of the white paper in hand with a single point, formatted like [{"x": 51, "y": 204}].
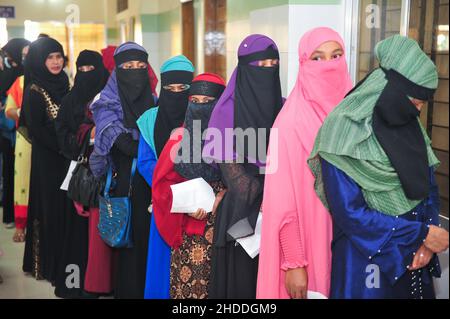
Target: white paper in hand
[
  {"x": 252, "y": 243},
  {"x": 189, "y": 196},
  {"x": 65, "y": 184},
  {"x": 315, "y": 295}
]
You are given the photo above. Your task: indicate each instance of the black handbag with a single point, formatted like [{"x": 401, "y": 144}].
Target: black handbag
[{"x": 84, "y": 187}]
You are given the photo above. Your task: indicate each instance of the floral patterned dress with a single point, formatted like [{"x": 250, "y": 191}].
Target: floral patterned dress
[{"x": 191, "y": 263}]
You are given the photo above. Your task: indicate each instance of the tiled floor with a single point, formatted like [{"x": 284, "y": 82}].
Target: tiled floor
[{"x": 16, "y": 285}]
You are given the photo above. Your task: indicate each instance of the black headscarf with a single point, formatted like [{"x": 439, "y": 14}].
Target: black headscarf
[
  {"x": 196, "y": 167},
  {"x": 74, "y": 107},
  {"x": 172, "y": 107},
  {"x": 258, "y": 98},
  {"x": 87, "y": 85},
  {"x": 13, "y": 49},
  {"x": 134, "y": 86},
  {"x": 56, "y": 85},
  {"x": 36, "y": 72},
  {"x": 396, "y": 126}
]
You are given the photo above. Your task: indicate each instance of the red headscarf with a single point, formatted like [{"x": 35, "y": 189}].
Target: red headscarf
[
  {"x": 210, "y": 77},
  {"x": 172, "y": 226},
  {"x": 108, "y": 57},
  {"x": 108, "y": 61}
]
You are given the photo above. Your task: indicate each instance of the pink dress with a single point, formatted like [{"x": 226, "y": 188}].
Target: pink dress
[{"x": 297, "y": 228}]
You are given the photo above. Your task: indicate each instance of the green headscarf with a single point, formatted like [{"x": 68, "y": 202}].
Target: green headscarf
[{"x": 347, "y": 141}]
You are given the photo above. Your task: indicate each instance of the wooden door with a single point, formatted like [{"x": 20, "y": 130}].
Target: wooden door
[
  {"x": 187, "y": 14},
  {"x": 215, "y": 37}
]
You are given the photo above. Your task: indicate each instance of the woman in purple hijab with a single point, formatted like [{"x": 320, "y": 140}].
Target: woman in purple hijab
[
  {"x": 125, "y": 98},
  {"x": 250, "y": 103}
]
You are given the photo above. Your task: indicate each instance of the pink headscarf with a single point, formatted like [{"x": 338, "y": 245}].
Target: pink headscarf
[
  {"x": 321, "y": 85},
  {"x": 289, "y": 196}
]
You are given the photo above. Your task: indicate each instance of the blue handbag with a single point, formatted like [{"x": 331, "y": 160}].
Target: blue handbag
[{"x": 115, "y": 215}]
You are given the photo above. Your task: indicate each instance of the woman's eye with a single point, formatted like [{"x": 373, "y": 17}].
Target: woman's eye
[
  {"x": 337, "y": 56},
  {"x": 317, "y": 58}
]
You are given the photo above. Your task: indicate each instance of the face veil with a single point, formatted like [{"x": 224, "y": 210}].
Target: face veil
[
  {"x": 172, "y": 105},
  {"x": 258, "y": 101},
  {"x": 396, "y": 126},
  {"x": 134, "y": 86}
]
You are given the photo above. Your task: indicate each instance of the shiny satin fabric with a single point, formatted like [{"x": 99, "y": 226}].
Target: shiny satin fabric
[{"x": 367, "y": 243}]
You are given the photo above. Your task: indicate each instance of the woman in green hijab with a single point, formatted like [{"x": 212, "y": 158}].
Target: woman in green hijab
[{"x": 374, "y": 169}]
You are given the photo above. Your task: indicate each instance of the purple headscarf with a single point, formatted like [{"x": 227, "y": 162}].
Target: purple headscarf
[
  {"x": 222, "y": 117},
  {"x": 108, "y": 117}
]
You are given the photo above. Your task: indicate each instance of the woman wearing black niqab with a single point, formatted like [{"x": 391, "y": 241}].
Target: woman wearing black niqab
[
  {"x": 73, "y": 128},
  {"x": 12, "y": 66},
  {"x": 10, "y": 69},
  {"x": 47, "y": 85},
  {"x": 125, "y": 98}
]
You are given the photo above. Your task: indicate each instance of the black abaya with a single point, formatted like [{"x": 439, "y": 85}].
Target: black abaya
[
  {"x": 47, "y": 203},
  {"x": 234, "y": 272},
  {"x": 132, "y": 262}
]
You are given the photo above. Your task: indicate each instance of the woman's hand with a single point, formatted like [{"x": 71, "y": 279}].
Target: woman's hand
[
  {"x": 437, "y": 239},
  {"x": 13, "y": 114},
  {"x": 93, "y": 133},
  {"x": 422, "y": 258},
  {"x": 200, "y": 214},
  {"x": 297, "y": 283}
]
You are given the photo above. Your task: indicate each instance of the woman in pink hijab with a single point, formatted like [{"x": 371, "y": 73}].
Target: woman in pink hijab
[{"x": 295, "y": 255}]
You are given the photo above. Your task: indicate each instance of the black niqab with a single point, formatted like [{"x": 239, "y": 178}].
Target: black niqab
[
  {"x": 196, "y": 167},
  {"x": 134, "y": 87},
  {"x": 396, "y": 126},
  {"x": 172, "y": 107},
  {"x": 258, "y": 99}
]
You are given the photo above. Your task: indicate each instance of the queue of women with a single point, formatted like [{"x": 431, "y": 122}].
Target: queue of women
[{"x": 345, "y": 190}]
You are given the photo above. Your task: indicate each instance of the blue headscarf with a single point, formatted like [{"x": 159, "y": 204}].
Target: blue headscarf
[
  {"x": 177, "y": 63},
  {"x": 172, "y": 105},
  {"x": 109, "y": 117}
]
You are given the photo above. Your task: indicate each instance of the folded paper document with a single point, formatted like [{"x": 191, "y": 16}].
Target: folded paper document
[
  {"x": 189, "y": 196},
  {"x": 252, "y": 243}
]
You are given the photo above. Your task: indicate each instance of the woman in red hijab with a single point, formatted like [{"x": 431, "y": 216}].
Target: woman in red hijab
[{"x": 189, "y": 235}]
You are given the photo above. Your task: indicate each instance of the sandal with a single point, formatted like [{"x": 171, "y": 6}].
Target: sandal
[{"x": 19, "y": 236}]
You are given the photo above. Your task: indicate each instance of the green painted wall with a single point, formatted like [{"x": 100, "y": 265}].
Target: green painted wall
[
  {"x": 161, "y": 22},
  {"x": 236, "y": 10},
  {"x": 315, "y": 1},
  {"x": 15, "y": 32},
  {"x": 240, "y": 10},
  {"x": 112, "y": 33}
]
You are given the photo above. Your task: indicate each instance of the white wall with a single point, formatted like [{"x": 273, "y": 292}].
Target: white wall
[
  {"x": 285, "y": 25},
  {"x": 303, "y": 18},
  {"x": 273, "y": 23}
]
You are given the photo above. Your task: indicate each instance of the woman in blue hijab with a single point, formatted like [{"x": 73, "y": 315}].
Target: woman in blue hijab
[{"x": 125, "y": 98}]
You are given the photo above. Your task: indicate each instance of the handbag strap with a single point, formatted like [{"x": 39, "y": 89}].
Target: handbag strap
[
  {"x": 84, "y": 147},
  {"x": 133, "y": 172},
  {"x": 109, "y": 179}
]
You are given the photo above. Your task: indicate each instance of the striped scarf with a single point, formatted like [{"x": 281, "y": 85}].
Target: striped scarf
[{"x": 347, "y": 141}]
